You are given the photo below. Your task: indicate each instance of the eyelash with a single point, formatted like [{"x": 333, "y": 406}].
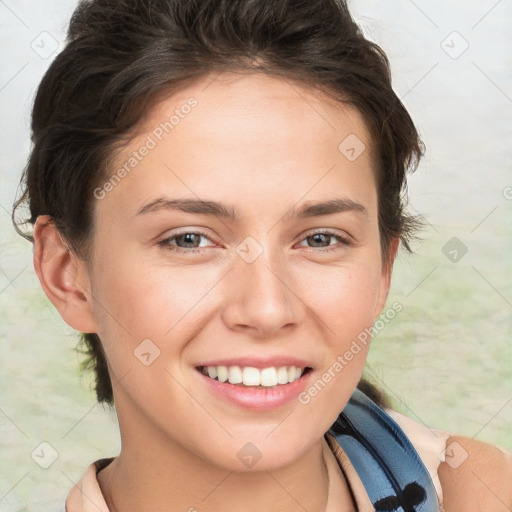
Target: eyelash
[{"x": 167, "y": 245}]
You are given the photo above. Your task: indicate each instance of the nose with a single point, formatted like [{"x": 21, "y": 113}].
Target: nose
[{"x": 259, "y": 299}]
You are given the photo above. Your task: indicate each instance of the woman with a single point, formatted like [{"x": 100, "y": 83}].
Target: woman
[{"x": 217, "y": 194}]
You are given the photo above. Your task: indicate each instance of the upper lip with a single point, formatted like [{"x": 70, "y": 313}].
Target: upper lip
[{"x": 258, "y": 362}]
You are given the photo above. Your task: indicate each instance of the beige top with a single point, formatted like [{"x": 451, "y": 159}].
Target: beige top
[{"x": 86, "y": 495}]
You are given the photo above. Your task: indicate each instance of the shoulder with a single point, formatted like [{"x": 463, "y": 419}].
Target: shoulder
[
  {"x": 469, "y": 475},
  {"x": 86, "y": 495},
  {"x": 475, "y": 477}
]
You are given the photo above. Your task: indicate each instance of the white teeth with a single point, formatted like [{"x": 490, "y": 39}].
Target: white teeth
[
  {"x": 222, "y": 373},
  {"x": 235, "y": 375},
  {"x": 269, "y": 377},
  {"x": 250, "y": 376},
  {"x": 282, "y": 375}
]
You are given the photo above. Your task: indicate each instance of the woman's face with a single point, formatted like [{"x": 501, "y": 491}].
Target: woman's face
[{"x": 242, "y": 234}]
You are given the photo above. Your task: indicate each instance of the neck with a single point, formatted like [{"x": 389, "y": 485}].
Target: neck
[
  {"x": 168, "y": 482},
  {"x": 163, "y": 476}
]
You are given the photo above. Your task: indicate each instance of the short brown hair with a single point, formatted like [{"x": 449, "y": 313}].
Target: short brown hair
[{"x": 121, "y": 53}]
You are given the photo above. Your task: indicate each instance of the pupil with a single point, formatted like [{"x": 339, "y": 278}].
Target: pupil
[
  {"x": 187, "y": 238},
  {"x": 317, "y": 237}
]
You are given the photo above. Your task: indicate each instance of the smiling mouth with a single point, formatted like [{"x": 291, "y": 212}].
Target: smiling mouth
[{"x": 248, "y": 376}]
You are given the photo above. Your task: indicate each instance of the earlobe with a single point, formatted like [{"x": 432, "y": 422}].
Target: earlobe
[{"x": 62, "y": 275}]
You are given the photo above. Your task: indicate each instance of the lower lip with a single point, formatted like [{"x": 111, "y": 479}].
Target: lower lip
[{"x": 258, "y": 399}]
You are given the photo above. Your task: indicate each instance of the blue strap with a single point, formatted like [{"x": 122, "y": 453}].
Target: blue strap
[{"x": 391, "y": 470}]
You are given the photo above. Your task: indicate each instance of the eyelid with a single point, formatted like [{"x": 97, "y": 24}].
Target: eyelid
[
  {"x": 330, "y": 231},
  {"x": 165, "y": 242},
  {"x": 344, "y": 239},
  {"x": 193, "y": 231}
]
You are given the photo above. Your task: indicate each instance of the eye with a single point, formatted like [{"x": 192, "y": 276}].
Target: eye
[
  {"x": 186, "y": 242},
  {"x": 322, "y": 239},
  {"x": 191, "y": 241}
]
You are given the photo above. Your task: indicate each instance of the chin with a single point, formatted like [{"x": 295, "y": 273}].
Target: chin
[{"x": 253, "y": 452}]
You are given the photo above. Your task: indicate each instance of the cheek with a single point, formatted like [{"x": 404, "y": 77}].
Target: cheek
[
  {"x": 346, "y": 314},
  {"x": 344, "y": 302},
  {"x": 343, "y": 298},
  {"x": 137, "y": 299},
  {"x": 146, "y": 317}
]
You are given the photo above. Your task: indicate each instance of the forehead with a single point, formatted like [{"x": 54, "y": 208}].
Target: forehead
[
  {"x": 233, "y": 104},
  {"x": 252, "y": 131}
]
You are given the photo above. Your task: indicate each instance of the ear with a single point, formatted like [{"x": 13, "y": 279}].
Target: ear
[
  {"x": 63, "y": 276},
  {"x": 387, "y": 270}
]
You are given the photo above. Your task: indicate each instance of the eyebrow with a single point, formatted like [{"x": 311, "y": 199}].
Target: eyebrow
[{"x": 204, "y": 207}]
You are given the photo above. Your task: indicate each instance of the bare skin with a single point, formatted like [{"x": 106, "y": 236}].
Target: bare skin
[
  {"x": 265, "y": 149},
  {"x": 478, "y": 478}
]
